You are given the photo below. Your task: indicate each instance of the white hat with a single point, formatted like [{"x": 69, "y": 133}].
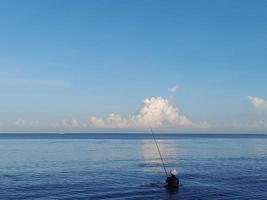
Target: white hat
[{"x": 173, "y": 172}]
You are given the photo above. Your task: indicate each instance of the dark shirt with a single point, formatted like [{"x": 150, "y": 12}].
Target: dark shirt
[{"x": 172, "y": 181}]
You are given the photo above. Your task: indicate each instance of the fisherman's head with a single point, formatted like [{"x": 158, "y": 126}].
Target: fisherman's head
[{"x": 173, "y": 172}]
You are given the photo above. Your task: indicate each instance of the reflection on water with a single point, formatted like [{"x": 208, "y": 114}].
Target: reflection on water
[
  {"x": 172, "y": 192},
  {"x": 171, "y": 152},
  {"x": 260, "y": 148},
  {"x": 153, "y": 162},
  {"x": 151, "y": 156}
]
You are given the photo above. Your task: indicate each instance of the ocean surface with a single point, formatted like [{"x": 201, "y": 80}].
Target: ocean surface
[{"x": 127, "y": 167}]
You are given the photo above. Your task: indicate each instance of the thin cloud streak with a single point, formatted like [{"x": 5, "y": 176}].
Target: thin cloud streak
[{"x": 33, "y": 83}]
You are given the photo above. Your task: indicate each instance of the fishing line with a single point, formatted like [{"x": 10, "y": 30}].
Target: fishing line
[{"x": 152, "y": 133}]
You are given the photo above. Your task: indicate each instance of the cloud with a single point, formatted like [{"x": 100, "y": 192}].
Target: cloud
[
  {"x": 111, "y": 121},
  {"x": 255, "y": 125},
  {"x": 158, "y": 111},
  {"x": 258, "y": 103},
  {"x": 43, "y": 125},
  {"x": 72, "y": 123},
  {"x": 155, "y": 112},
  {"x": 26, "y": 123},
  {"x": 260, "y": 124},
  {"x": 174, "y": 88}
]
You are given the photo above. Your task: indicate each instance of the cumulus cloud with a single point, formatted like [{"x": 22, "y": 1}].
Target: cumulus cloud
[
  {"x": 158, "y": 111},
  {"x": 155, "y": 112},
  {"x": 258, "y": 102}
]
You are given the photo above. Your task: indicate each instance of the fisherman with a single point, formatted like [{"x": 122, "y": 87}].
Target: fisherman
[{"x": 172, "y": 181}]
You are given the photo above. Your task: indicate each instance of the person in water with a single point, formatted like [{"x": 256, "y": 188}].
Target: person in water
[{"x": 172, "y": 181}]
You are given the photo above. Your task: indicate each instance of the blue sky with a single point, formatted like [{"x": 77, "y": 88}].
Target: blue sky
[{"x": 63, "y": 63}]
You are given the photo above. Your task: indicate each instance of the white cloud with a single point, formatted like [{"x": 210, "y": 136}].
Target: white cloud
[
  {"x": 260, "y": 124},
  {"x": 27, "y": 123},
  {"x": 174, "y": 88},
  {"x": 72, "y": 123},
  {"x": 20, "y": 122},
  {"x": 256, "y": 124},
  {"x": 155, "y": 112},
  {"x": 257, "y": 102}
]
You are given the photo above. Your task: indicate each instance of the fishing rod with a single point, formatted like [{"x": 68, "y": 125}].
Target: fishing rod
[{"x": 151, "y": 131}]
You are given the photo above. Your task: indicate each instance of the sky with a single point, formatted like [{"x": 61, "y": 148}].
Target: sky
[{"x": 124, "y": 66}]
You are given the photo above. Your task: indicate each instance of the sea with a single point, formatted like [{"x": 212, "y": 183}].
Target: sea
[{"x": 128, "y": 166}]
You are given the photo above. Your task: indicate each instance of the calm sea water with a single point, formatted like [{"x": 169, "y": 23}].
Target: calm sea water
[{"x": 124, "y": 167}]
